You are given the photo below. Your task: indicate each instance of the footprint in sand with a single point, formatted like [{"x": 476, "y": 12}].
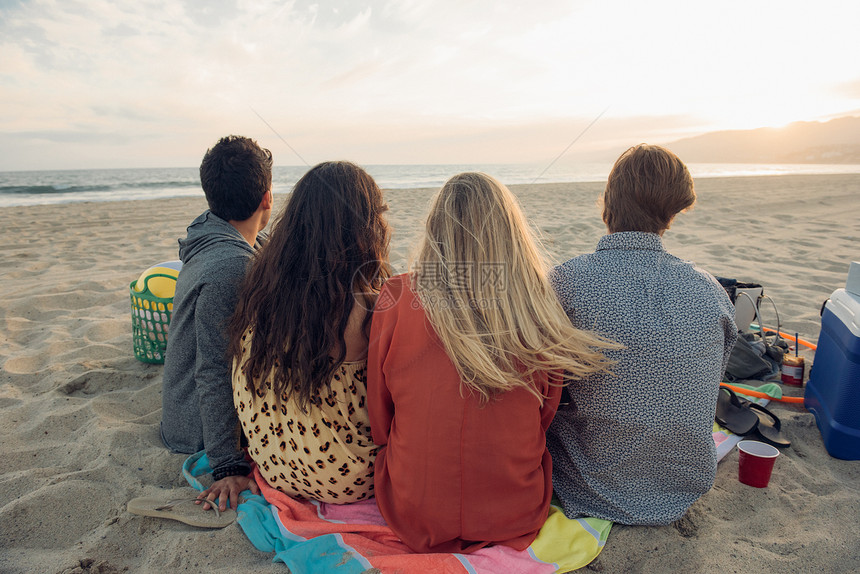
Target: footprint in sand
[
  {"x": 50, "y": 507},
  {"x": 26, "y": 365}
]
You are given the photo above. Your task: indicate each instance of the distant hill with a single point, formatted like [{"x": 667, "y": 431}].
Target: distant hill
[{"x": 835, "y": 141}]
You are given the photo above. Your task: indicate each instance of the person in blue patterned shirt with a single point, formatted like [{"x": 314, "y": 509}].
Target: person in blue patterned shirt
[{"x": 635, "y": 446}]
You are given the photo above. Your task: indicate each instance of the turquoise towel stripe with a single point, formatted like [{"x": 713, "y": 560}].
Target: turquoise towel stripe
[
  {"x": 261, "y": 526},
  {"x": 322, "y": 555},
  {"x": 316, "y": 503},
  {"x": 194, "y": 466},
  {"x": 365, "y": 564},
  {"x": 273, "y": 510},
  {"x": 466, "y": 564},
  {"x": 536, "y": 559},
  {"x": 587, "y": 527}
]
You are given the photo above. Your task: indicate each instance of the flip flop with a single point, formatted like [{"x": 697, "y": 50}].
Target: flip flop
[
  {"x": 769, "y": 427},
  {"x": 733, "y": 415},
  {"x": 182, "y": 509}
]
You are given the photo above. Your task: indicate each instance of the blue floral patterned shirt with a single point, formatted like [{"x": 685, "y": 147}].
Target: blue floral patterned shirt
[{"x": 636, "y": 446}]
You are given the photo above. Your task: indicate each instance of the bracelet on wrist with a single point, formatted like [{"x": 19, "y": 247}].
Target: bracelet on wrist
[{"x": 232, "y": 470}]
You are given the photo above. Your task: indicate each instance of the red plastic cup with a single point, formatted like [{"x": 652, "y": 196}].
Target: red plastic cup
[{"x": 755, "y": 462}]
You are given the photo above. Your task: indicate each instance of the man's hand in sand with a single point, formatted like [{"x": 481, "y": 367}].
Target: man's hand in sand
[{"x": 228, "y": 490}]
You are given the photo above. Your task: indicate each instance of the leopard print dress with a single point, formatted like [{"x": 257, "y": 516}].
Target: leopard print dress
[{"x": 326, "y": 454}]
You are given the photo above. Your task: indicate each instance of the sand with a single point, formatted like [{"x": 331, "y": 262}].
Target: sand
[{"x": 79, "y": 415}]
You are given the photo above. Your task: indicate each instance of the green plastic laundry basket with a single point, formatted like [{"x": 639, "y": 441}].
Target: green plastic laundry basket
[{"x": 150, "y": 319}]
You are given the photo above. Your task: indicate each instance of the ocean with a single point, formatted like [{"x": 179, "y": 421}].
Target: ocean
[{"x": 64, "y": 186}]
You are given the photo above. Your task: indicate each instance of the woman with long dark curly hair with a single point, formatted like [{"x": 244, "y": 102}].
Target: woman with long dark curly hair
[{"x": 299, "y": 337}]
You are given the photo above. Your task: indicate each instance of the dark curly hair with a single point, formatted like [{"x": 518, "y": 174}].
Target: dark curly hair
[
  {"x": 235, "y": 174},
  {"x": 327, "y": 252}
]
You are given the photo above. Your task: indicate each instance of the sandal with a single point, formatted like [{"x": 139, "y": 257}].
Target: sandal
[
  {"x": 769, "y": 427},
  {"x": 733, "y": 415},
  {"x": 183, "y": 509}
]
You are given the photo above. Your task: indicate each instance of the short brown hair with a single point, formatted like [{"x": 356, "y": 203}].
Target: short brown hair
[{"x": 647, "y": 187}]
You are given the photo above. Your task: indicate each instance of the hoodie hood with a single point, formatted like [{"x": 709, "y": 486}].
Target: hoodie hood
[{"x": 208, "y": 230}]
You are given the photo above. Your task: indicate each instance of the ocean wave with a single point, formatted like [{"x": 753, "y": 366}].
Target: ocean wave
[
  {"x": 51, "y": 187},
  {"x": 93, "y": 188}
]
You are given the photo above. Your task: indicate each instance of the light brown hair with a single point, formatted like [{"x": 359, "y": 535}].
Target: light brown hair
[{"x": 648, "y": 186}]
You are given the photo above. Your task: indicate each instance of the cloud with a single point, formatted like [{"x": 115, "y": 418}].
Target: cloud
[
  {"x": 137, "y": 114},
  {"x": 122, "y": 30},
  {"x": 212, "y": 13},
  {"x": 391, "y": 79},
  {"x": 85, "y": 136},
  {"x": 850, "y": 89}
]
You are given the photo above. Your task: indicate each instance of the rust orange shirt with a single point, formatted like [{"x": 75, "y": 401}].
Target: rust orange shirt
[{"x": 452, "y": 474}]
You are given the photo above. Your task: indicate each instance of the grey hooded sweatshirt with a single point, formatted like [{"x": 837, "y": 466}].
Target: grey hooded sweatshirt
[{"x": 197, "y": 398}]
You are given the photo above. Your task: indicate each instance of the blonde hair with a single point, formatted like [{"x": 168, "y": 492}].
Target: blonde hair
[{"x": 481, "y": 277}]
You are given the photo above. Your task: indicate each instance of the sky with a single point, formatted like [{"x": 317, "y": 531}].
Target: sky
[{"x": 154, "y": 83}]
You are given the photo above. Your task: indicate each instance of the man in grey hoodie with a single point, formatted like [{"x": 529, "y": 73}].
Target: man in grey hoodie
[{"x": 197, "y": 400}]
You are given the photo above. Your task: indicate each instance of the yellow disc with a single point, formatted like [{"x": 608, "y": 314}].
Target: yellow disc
[{"x": 162, "y": 287}]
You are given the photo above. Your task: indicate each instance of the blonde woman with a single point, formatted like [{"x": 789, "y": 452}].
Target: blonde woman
[{"x": 464, "y": 366}]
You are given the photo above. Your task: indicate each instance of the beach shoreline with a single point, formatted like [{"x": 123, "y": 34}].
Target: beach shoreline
[{"x": 79, "y": 415}]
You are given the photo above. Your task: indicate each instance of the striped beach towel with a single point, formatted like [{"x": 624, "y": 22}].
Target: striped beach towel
[{"x": 311, "y": 537}]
